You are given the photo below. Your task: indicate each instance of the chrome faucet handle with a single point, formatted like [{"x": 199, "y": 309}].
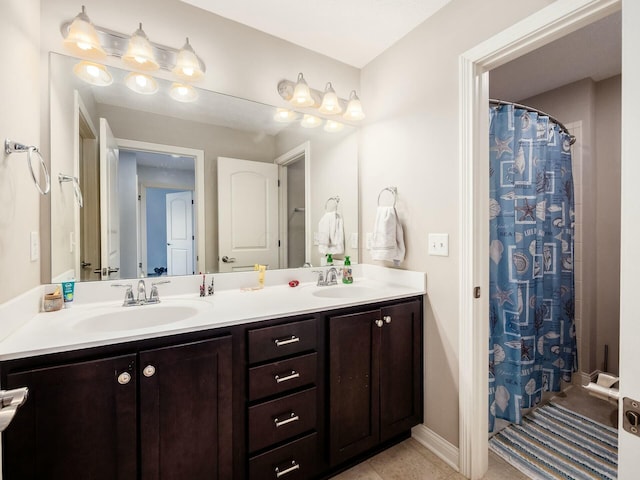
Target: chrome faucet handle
[
  {"x": 128, "y": 294},
  {"x": 321, "y": 281},
  {"x": 154, "y": 297}
]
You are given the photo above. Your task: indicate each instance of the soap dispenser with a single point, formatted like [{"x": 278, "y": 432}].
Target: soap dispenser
[{"x": 347, "y": 273}]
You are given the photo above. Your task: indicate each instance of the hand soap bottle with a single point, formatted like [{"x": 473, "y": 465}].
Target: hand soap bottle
[{"x": 347, "y": 273}]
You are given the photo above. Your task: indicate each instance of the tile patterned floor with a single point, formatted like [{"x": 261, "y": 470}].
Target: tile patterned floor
[{"x": 409, "y": 460}]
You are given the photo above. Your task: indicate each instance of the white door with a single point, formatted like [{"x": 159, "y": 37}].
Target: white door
[
  {"x": 180, "y": 233},
  {"x": 109, "y": 205},
  {"x": 247, "y": 214}
]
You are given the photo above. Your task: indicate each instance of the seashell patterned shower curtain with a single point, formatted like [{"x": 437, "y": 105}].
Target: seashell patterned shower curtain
[{"x": 532, "y": 344}]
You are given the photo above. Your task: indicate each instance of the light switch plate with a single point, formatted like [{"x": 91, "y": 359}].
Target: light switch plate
[
  {"x": 34, "y": 246},
  {"x": 316, "y": 238},
  {"x": 369, "y": 240},
  {"x": 354, "y": 240},
  {"x": 439, "y": 244}
]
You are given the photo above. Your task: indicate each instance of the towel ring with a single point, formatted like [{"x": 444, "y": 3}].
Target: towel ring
[
  {"x": 335, "y": 199},
  {"x": 394, "y": 192},
  {"x": 76, "y": 187},
  {"x": 15, "y": 147}
]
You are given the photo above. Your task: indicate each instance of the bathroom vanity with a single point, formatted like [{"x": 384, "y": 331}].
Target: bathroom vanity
[{"x": 297, "y": 395}]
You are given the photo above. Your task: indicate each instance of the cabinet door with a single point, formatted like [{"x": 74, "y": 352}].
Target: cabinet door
[
  {"x": 400, "y": 369},
  {"x": 354, "y": 342},
  {"x": 79, "y": 421},
  {"x": 185, "y": 411}
]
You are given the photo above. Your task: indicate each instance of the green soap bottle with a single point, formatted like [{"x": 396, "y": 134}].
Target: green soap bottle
[{"x": 347, "y": 273}]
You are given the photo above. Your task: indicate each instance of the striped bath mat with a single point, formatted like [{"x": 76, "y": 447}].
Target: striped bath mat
[{"x": 556, "y": 443}]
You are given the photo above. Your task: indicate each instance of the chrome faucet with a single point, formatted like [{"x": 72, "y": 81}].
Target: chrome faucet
[
  {"x": 142, "y": 292},
  {"x": 153, "y": 296},
  {"x": 331, "y": 277}
]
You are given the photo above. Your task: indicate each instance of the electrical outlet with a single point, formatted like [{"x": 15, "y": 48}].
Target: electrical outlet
[
  {"x": 34, "y": 246},
  {"x": 439, "y": 244}
]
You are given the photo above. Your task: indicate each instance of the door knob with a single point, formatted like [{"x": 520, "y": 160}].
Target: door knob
[{"x": 226, "y": 259}]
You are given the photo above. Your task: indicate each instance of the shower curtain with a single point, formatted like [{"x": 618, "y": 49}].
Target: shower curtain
[{"x": 532, "y": 344}]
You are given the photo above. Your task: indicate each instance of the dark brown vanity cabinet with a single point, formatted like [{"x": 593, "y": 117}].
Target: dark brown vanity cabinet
[
  {"x": 156, "y": 413},
  {"x": 375, "y": 377},
  {"x": 284, "y": 401}
]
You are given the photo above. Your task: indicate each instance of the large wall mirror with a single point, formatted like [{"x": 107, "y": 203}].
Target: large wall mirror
[{"x": 175, "y": 188}]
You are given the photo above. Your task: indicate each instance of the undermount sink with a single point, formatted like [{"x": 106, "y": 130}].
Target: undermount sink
[
  {"x": 137, "y": 317},
  {"x": 344, "y": 291}
]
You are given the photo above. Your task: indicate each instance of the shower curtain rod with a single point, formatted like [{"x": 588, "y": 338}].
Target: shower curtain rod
[{"x": 572, "y": 138}]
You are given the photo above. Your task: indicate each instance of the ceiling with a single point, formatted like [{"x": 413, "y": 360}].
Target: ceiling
[
  {"x": 594, "y": 51},
  {"x": 351, "y": 31}
]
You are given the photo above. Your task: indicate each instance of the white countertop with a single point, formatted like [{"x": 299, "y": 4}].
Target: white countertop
[{"x": 70, "y": 328}]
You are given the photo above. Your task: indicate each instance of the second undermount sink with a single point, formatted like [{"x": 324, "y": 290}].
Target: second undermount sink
[
  {"x": 134, "y": 318},
  {"x": 344, "y": 291}
]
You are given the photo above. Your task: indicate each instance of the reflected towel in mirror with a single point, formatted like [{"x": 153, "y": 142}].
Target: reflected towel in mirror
[{"x": 331, "y": 234}]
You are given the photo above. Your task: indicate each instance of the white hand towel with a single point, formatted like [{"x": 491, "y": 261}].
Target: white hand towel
[
  {"x": 331, "y": 234},
  {"x": 388, "y": 237}
]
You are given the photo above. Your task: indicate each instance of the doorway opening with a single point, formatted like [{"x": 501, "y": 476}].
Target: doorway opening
[{"x": 537, "y": 30}]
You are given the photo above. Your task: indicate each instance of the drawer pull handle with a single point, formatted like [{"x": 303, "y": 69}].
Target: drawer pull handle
[
  {"x": 292, "y": 418},
  {"x": 291, "y": 376},
  {"x": 286, "y": 341},
  {"x": 294, "y": 466}
]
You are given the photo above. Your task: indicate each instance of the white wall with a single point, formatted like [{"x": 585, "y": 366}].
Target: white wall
[
  {"x": 410, "y": 141},
  {"x": 128, "y": 202},
  {"x": 20, "y": 121}
]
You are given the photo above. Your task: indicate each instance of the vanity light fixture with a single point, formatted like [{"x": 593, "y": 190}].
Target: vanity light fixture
[
  {"x": 139, "y": 54},
  {"x": 309, "y": 121},
  {"x": 284, "y": 115},
  {"x": 86, "y": 40},
  {"x": 301, "y": 93},
  {"x": 183, "y": 92},
  {"x": 330, "y": 103},
  {"x": 93, "y": 73},
  {"x": 332, "y": 126},
  {"x": 354, "y": 108},
  {"x": 187, "y": 64},
  {"x": 82, "y": 39},
  {"x": 141, "y": 83}
]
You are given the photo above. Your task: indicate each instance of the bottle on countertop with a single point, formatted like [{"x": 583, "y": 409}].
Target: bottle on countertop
[
  {"x": 347, "y": 273},
  {"x": 329, "y": 259}
]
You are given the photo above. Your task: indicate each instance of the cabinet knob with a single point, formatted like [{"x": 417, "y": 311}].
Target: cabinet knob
[
  {"x": 387, "y": 318},
  {"x": 124, "y": 378},
  {"x": 149, "y": 371},
  {"x": 379, "y": 323}
]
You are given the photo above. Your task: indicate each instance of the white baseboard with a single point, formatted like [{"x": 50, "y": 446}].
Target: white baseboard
[{"x": 438, "y": 445}]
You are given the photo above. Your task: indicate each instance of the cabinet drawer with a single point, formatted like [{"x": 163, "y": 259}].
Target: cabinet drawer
[
  {"x": 293, "y": 461},
  {"x": 279, "y": 377},
  {"x": 280, "y": 419},
  {"x": 281, "y": 340}
]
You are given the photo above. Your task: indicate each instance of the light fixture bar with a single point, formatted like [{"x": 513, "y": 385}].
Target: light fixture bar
[{"x": 115, "y": 44}]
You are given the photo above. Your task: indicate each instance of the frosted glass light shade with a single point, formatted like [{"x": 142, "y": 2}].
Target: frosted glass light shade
[
  {"x": 332, "y": 126},
  {"x": 284, "y": 115},
  {"x": 187, "y": 64},
  {"x": 141, "y": 83},
  {"x": 354, "y": 108},
  {"x": 82, "y": 38},
  {"x": 93, "y": 73},
  {"x": 330, "y": 103},
  {"x": 301, "y": 93},
  {"x": 309, "y": 121},
  {"x": 139, "y": 54},
  {"x": 183, "y": 93}
]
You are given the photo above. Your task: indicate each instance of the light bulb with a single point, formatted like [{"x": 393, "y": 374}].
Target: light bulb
[
  {"x": 188, "y": 67},
  {"x": 354, "y": 108},
  {"x": 284, "y": 115},
  {"x": 332, "y": 126},
  {"x": 309, "y": 121},
  {"x": 330, "y": 103},
  {"x": 82, "y": 38},
  {"x": 183, "y": 93},
  {"x": 139, "y": 54},
  {"x": 301, "y": 93},
  {"x": 141, "y": 83},
  {"x": 93, "y": 73}
]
